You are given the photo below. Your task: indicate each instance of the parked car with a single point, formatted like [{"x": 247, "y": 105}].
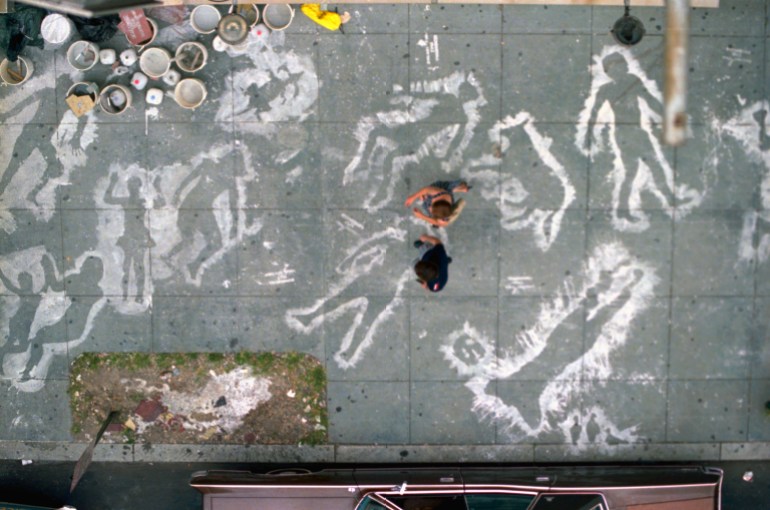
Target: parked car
[{"x": 466, "y": 488}]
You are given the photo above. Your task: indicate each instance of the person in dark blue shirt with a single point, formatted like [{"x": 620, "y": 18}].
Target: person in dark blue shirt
[{"x": 432, "y": 264}]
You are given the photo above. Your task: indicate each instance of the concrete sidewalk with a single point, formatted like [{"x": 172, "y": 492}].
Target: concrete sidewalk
[{"x": 609, "y": 298}]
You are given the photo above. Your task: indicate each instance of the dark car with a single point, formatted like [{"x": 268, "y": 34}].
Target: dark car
[{"x": 466, "y": 488}]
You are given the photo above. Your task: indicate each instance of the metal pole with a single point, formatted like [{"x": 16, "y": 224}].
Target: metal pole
[
  {"x": 675, "y": 86},
  {"x": 87, "y": 455}
]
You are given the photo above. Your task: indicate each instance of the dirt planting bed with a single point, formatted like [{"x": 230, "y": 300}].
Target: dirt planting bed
[{"x": 242, "y": 398}]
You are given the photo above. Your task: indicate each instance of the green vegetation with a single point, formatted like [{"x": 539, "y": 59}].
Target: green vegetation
[{"x": 263, "y": 362}]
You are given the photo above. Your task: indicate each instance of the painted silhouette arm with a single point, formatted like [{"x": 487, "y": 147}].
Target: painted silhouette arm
[
  {"x": 111, "y": 189},
  {"x": 8, "y": 284}
]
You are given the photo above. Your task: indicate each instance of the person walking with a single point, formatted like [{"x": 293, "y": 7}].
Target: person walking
[
  {"x": 439, "y": 207},
  {"x": 432, "y": 263}
]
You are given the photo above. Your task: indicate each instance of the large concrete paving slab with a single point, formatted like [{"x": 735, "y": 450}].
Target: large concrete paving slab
[{"x": 608, "y": 297}]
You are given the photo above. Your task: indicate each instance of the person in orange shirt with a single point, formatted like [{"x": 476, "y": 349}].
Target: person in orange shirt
[{"x": 327, "y": 19}]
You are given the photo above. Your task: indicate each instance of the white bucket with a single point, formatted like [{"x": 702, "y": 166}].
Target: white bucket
[
  {"x": 250, "y": 12},
  {"x": 155, "y": 62},
  {"x": 277, "y": 16},
  {"x": 191, "y": 56},
  {"x": 205, "y": 18},
  {"x": 190, "y": 93},
  {"x": 115, "y": 99},
  {"x": 15, "y": 73},
  {"x": 56, "y": 29},
  {"x": 83, "y": 55}
]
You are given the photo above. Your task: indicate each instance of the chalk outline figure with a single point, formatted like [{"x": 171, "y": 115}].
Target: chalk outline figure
[
  {"x": 623, "y": 286},
  {"x": 361, "y": 258},
  {"x": 27, "y": 372},
  {"x": 749, "y": 128},
  {"x": 135, "y": 249},
  {"x": 376, "y": 156},
  {"x": 630, "y": 176}
]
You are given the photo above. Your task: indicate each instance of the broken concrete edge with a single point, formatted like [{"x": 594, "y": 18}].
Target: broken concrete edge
[{"x": 521, "y": 453}]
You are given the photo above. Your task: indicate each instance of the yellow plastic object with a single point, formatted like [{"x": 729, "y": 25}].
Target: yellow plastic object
[{"x": 326, "y": 19}]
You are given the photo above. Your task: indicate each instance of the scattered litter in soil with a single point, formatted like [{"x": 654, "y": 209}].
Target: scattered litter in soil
[{"x": 243, "y": 398}]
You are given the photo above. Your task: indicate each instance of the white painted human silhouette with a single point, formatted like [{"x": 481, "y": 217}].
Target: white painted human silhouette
[
  {"x": 623, "y": 288},
  {"x": 616, "y": 74}
]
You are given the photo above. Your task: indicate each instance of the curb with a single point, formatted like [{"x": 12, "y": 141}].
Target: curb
[{"x": 524, "y": 453}]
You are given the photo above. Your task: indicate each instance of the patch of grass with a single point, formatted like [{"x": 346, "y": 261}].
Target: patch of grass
[
  {"x": 129, "y": 436},
  {"x": 317, "y": 378},
  {"x": 215, "y": 356},
  {"x": 88, "y": 360},
  {"x": 263, "y": 362},
  {"x": 142, "y": 360},
  {"x": 164, "y": 361},
  {"x": 293, "y": 359},
  {"x": 115, "y": 360},
  {"x": 243, "y": 358},
  {"x": 315, "y": 438}
]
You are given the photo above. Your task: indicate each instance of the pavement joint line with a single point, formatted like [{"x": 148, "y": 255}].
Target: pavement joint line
[{"x": 341, "y": 453}]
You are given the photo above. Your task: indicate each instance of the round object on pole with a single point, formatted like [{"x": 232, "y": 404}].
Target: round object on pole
[{"x": 628, "y": 30}]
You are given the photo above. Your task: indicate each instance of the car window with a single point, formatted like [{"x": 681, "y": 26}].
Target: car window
[
  {"x": 498, "y": 501},
  {"x": 569, "y": 502},
  {"x": 429, "y": 501},
  {"x": 369, "y": 504}
]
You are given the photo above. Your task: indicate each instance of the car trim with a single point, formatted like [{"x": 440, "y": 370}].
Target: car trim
[{"x": 627, "y": 487}]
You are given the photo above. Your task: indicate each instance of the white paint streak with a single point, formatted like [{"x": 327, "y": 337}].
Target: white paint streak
[
  {"x": 242, "y": 390},
  {"x": 293, "y": 175},
  {"x": 270, "y": 63},
  {"x": 284, "y": 275},
  {"x": 519, "y": 284},
  {"x": 738, "y": 55},
  {"x": 149, "y": 113}
]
